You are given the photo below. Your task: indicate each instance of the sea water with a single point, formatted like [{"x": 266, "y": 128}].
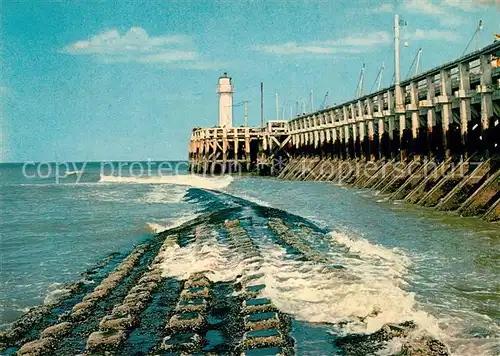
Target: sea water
[{"x": 402, "y": 262}]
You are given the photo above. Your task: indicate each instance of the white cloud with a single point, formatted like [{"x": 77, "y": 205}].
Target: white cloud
[
  {"x": 434, "y": 35},
  {"x": 383, "y": 8},
  {"x": 437, "y": 7},
  {"x": 204, "y": 65},
  {"x": 427, "y": 7},
  {"x": 362, "y": 40},
  {"x": 350, "y": 44},
  {"x": 167, "y": 56},
  {"x": 442, "y": 11},
  {"x": 294, "y": 48},
  {"x": 134, "y": 46},
  {"x": 5, "y": 91},
  {"x": 474, "y": 5}
]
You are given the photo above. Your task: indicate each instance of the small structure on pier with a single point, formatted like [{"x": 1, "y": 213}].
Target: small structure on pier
[{"x": 225, "y": 149}]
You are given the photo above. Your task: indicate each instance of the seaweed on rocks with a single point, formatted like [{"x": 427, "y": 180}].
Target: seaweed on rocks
[
  {"x": 31, "y": 324},
  {"x": 369, "y": 344}
]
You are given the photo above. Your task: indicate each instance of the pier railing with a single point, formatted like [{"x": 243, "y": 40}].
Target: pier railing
[
  {"x": 454, "y": 93},
  {"x": 449, "y": 110}
]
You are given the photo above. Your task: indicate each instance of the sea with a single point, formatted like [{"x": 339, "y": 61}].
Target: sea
[{"x": 411, "y": 263}]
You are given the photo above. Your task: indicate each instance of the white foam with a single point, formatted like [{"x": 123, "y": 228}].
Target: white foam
[
  {"x": 303, "y": 289},
  {"x": 71, "y": 173},
  {"x": 157, "y": 227},
  {"x": 252, "y": 199},
  {"x": 366, "y": 295},
  {"x": 357, "y": 244},
  {"x": 214, "y": 183},
  {"x": 163, "y": 194},
  {"x": 221, "y": 261},
  {"x": 55, "y": 293}
]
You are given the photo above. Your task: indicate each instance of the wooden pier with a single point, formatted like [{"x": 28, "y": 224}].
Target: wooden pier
[
  {"x": 237, "y": 149},
  {"x": 444, "y": 122}
]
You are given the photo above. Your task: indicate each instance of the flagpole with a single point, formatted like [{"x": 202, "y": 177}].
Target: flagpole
[
  {"x": 397, "y": 88},
  {"x": 396, "y": 50}
]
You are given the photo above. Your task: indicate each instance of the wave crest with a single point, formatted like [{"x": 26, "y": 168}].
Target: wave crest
[{"x": 213, "y": 183}]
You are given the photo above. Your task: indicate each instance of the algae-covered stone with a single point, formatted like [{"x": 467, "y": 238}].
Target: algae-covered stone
[
  {"x": 261, "y": 321},
  {"x": 143, "y": 287},
  {"x": 262, "y": 338},
  {"x": 111, "y": 322},
  {"x": 83, "y": 306},
  {"x": 197, "y": 281},
  {"x": 95, "y": 295},
  {"x": 194, "y": 304},
  {"x": 187, "y": 320},
  {"x": 105, "y": 340},
  {"x": 37, "y": 347},
  {"x": 189, "y": 342},
  {"x": 152, "y": 276},
  {"x": 274, "y": 351},
  {"x": 231, "y": 223},
  {"x": 57, "y": 330},
  {"x": 138, "y": 297},
  {"x": 252, "y": 291},
  {"x": 254, "y": 305},
  {"x": 425, "y": 346},
  {"x": 195, "y": 292},
  {"x": 129, "y": 307}
]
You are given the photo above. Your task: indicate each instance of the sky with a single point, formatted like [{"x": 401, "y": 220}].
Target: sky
[{"x": 128, "y": 80}]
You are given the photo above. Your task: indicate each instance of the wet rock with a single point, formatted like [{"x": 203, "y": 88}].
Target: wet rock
[
  {"x": 187, "y": 320},
  {"x": 111, "y": 322},
  {"x": 37, "y": 347},
  {"x": 252, "y": 291},
  {"x": 105, "y": 340},
  {"x": 390, "y": 331},
  {"x": 82, "y": 305},
  {"x": 425, "y": 346},
  {"x": 95, "y": 295},
  {"x": 262, "y": 338},
  {"x": 231, "y": 224},
  {"x": 360, "y": 344},
  {"x": 254, "y": 305},
  {"x": 201, "y": 281},
  {"x": 195, "y": 304},
  {"x": 137, "y": 297},
  {"x": 195, "y": 292},
  {"x": 151, "y": 277},
  {"x": 57, "y": 331},
  {"x": 182, "y": 342},
  {"x": 129, "y": 307},
  {"x": 261, "y": 321},
  {"x": 144, "y": 287},
  {"x": 81, "y": 310},
  {"x": 112, "y": 279}
]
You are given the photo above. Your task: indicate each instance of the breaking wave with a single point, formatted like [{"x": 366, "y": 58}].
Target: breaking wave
[
  {"x": 367, "y": 292},
  {"x": 160, "y": 227},
  {"x": 365, "y": 295},
  {"x": 213, "y": 183}
]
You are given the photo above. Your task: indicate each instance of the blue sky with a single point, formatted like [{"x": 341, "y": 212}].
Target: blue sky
[{"x": 127, "y": 80}]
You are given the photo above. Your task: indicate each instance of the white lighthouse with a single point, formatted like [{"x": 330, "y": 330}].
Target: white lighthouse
[{"x": 225, "y": 90}]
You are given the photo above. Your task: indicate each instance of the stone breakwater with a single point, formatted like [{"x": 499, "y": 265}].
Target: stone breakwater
[
  {"x": 468, "y": 187},
  {"x": 167, "y": 296}
]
